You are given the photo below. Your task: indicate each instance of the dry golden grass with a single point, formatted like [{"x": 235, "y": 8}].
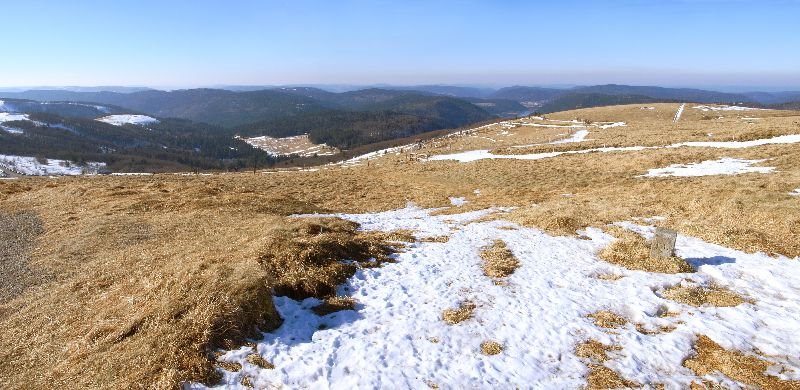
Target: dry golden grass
[
  {"x": 602, "y": 377},
  {"x": 710, "y": 357},
  {"x": 460, "y": 314},
  {"x": 150, "y": 273},
  {"x": 334, "y": 304},
  {"x": 229, "y": 366},
  {"x": 594, "y": 350},
  {"x": 246, "y": 382},
  {"x": 257, "y": 360},
  {"x": 699, "y": 296},
  {"x": 632, "y": 251},
  {"x": 498, "y": 260},
  {"x": 490, "y": 348},
  {"x": 607, "y": 319},
  {"x": 439, "y": 239},
  {"x": 304, "y": 258}
]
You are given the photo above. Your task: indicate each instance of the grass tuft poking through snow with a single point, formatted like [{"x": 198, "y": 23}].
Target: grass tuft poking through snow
[
  {"x": 710, "y": 358},
  {"x": 498, "y": 260},
  {"x": 491, "y": 348},
  {"x": 594, "y": 350},
  {"x": 632, "y": 251},
  {"x": 256, "y": 360},
  {"x": 333, "y": 305},
  {"x": 460, "y": 314},
  {"x": 602, "y": 377},
  {"x": 607, "y": 319},
  {"x": 697, "y": 296}
]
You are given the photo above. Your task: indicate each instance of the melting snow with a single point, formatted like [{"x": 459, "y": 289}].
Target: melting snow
[
  {"x": 32, "y": 166},
  {"x": 724, "y": 166},
  {"x": 723, "y": 108},
  {"x": 396, "y": 337},
  {"x": 459, "y": 201},
  {"x": 679, "y": 113},
  {"x": 795, "y": 192},
  {"x": 6, "y": 117},
  {"x": 119, "y": 120},
  {"x": 474, "y": 155}
]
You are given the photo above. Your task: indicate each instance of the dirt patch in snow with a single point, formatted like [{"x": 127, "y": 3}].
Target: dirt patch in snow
[
  {"x": 498, "y": 260},
  {"x": 700, "y": 296},
  {"x": 710, "y": 358},
  {"x": 632, "y": 251}
]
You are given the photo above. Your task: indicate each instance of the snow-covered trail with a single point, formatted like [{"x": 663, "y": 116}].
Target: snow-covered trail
[
  {"x": 679, "y": 113},
  {"x": 396, "y": 338}
]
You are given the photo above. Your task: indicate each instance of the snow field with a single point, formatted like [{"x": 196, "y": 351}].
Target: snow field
[
  {"x": 31, "y": 166},
  {"x": 723, "y": 107},
  {"x": 396, "y": 337},
  {"x": 120, "y": 120},
  {"x": 724, "y": 166},
  {"x": 475, "y": 155}
]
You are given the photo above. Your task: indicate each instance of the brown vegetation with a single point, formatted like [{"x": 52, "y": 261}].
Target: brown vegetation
[
  {"x": 460, "y": 314},
  {"x": 490, "y": 348},
  {"x": 594, "y": 350},
  {"x": 498, "y": 260},
  {"x": 632, "y": 251},
  {"x": 710, "y": 357},
  {"x": 699, "y": 296},
  {"x": 334, "y": 304},
  {"x": 141, "y": 276},
  {"x": 608, "y": 319},
  {"x": 602, "y": 377}
]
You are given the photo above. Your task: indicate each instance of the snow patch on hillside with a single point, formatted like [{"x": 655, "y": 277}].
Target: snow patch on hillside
[
  {"x": 724, "y": 166},
  {"x": 120, "y": 120},
  {"x": 475, "y": 155},
  {"x": 47, "y": 166},
  {"x": 8, "y": 117},
  {"x": 396, "y": 337},
  {"x": 723, "y": 107}
]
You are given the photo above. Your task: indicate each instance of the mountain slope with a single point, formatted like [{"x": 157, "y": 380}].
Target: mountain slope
[
  {"x": 572, "y": 101},
  {"x": 686, "y": 94}
]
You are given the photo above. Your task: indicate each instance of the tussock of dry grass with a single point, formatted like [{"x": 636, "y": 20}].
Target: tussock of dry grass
[
  {"x": 632, "y": 251},
  {"x": 246, "y": 382},
  {"x": 699, "y": 296},
  {"x": 490, "y": 348},
  {"x": 460, "y": 314},
  {"x": 607, "y": 319},
  {"x": 399, "y": 235},
  {"x": 498, "y": 260},
  {"x": 259, "y": 361},
  {"x": 334, "y": 304},
  {"x": 305, "y": 258},
  {"x": 229, "y": 366},
  {"x": 710, "y": 357},
  {"x": 439, "y": 239},
  {"x": 602, "y": 377},
  {"x": 594, "y": 350}
]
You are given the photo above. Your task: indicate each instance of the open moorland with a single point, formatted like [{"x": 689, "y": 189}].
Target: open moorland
[{"x": 509, "y": 255}]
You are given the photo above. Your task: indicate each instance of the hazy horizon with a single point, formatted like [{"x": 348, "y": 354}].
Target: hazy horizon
[{"x": 707, "y": 44}]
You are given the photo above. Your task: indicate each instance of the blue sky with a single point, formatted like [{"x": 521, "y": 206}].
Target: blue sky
[{"x": 201, "y": 43}]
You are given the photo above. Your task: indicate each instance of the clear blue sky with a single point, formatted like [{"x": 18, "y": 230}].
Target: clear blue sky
[{"x": 492, "y": 42}]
